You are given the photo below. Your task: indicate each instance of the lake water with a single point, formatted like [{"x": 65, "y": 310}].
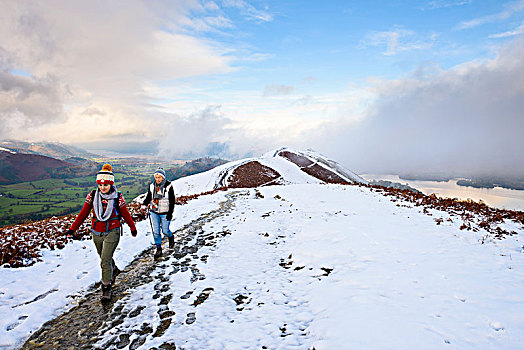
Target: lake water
[{"x": 495, "y": 197}]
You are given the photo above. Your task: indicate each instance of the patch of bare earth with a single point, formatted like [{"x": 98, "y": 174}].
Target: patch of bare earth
[
  {"x": 253, "y": 174},
  {"x": 313, "y": 169},
  {"x": 296, "y": 159},
  {"x": 324, "y": 174}
]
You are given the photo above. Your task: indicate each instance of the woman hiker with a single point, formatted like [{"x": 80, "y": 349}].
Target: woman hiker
[
  {"x": 108, "y": 206},
  {"x": 161, "y": 196}
]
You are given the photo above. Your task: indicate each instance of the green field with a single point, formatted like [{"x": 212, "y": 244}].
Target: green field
[{"x": 36, "y": 200}]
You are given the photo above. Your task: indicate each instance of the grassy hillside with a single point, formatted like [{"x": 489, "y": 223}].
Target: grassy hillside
[
  {"x": 35, "y": 200},
  {"x": 20, "y": 167},
  {"x": 29, "y": 201}
]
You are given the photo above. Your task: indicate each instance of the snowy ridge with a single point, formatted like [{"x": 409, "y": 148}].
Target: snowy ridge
[
  {"x": 205, "y": 181},
  {"x": 329, "y": 164},
  {"x": 289, "y": 172},
  {"x": 7, "y": 150}
]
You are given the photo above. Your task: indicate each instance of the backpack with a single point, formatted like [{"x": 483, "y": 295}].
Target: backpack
[
  {"x": 116, "y": 208},
  {"x": 162, "y": 206},
  {"x": 115, "y": 204}
]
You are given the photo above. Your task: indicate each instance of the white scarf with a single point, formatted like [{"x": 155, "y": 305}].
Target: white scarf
[{"x": 97, "y": 203}]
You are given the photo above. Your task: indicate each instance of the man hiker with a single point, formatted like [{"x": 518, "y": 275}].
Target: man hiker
[
  {"x": 161, "y": 200},
  {"x": 108, "y": 206}
]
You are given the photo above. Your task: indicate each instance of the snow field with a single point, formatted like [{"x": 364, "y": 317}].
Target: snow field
[{"x": 324, "y": 266}]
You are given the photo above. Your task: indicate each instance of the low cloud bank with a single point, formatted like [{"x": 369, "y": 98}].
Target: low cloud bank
[{"x": 468, "y": 120}]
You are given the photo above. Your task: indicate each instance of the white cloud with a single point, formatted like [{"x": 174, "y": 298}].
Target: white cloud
[
  {"x": 397, "y": 41},
  {"x": 98, "y": 122},
  {"x": 467, "y": 119},
  {"x": 28, "y": 102},
  {"x": 211, "y": 5},
  {"x": 200, "y": 132},
  {"x": 509, "y": 10},
  {"x": 256, "y": 57},
  {"x": 95, "y": 55},
  {"x": 277, "y": 90},
  {"x": 249, "y": 11},
  {"x": 193, "y": 133},
  {"x": 519, "y": 30},
  {"x": 210, "y": 24},
  {"x": 436, "y": 4}
]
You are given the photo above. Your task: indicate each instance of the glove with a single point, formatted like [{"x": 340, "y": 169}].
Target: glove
[
  {"x": 133, "y": 233},
  {"x": 72, "y": 234},
  {"x": 77, "y": 237},
  {"x": 169, "y": 217}
]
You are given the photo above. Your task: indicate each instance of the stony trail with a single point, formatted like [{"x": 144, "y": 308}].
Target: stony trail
[{"x": 84, "y": 326}]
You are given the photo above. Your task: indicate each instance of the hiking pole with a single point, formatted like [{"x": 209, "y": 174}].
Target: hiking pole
[{"x": 150, "y": 221}]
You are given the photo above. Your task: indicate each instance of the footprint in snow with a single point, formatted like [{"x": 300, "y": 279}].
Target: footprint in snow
[
  {"x": 191, "y": 318},
  {"x": 496, "y": 326},
  {"x": 81, "y": 275},
  {"x": 187, "y": 295},
  {"x": 13, "y": 325},
  {"x": 37, "y": 298}
]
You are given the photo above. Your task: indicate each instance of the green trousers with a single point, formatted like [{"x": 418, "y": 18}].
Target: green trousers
[{"x": 105, "y": 246}]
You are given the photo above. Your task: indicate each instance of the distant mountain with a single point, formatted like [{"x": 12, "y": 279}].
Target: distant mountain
[
  {"x": 20, "y": 167},
  {"x": 513, "y": 181},
  {"x": 194, "y": 167},
  {"x": 50, "y": 149},
  {"x": 83, "y": 163},
  {"x": 390, "y": 184},
  {"x": 427, "y": 177}
]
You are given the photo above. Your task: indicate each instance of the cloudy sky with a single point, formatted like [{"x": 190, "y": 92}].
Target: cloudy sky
[{"x": 380, "y": 86}]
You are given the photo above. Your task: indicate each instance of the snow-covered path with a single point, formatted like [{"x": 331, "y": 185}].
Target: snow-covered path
[{"x": 329, "y": 267}]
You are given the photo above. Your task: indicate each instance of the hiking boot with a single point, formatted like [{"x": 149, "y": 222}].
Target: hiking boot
[
  {"x": 106, "y": 292},
  {"x": 171, "y": 241},
  {"x": 158, "y": 252},
  {"x": 116, "y": 272}
]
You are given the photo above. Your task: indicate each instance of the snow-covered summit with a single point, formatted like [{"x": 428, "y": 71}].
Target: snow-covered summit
[
  {"x": 7, "y": 150},
  {"x": 278, "y": 167}
]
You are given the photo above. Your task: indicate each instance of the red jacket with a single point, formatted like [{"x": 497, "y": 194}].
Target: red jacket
[{"x": 103, "y": 226}]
